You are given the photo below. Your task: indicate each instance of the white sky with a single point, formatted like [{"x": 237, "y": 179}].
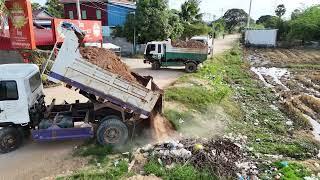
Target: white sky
[{"x": 259, "y": 7}]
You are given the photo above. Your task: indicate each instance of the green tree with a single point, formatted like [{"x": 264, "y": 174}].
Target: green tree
[
  {"x": 191, "y": 30},
  {"x": 272, "y": 22},
  {"x": 176, "y": 26},
  {"x": 55, "y": 8},
  {"x": 151, "y": 21},
  {"x": 35, "y": 6},
  {"x": 218, "y": 27},
  {"x": 235, "y": 18},
  {"x": 295, "y": 14},
  {"x": 190, "y": 11},
  {"x": 281, "y": 10},
  {"x": 263, "y": 19},
  {"x": 306, "y": 26},
  {"x": 3, "y": 14}
]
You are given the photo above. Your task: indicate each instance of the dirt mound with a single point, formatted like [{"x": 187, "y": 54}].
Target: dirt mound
[
  {"x": 107, "y": 60},
  {"x": 188, "y": 44}
]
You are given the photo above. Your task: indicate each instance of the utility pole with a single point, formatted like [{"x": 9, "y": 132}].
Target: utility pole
[
  {"x": 78, "y": 9},
  {"x": 249, "y": 18},
  {"x": 134, "y": 32}
]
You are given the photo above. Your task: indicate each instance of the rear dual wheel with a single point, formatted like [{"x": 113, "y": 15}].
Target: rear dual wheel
[
  {"x": 155, "y": 65},
  {"x": 191, "y": 67},
  {"x": 112, "y": 131},
  {"x": 10, "y": 139}
]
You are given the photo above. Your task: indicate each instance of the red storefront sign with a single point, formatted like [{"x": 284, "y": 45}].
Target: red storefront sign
[
  {"x": 92, "y": 29},
  {"x": 20, "y": 24}
]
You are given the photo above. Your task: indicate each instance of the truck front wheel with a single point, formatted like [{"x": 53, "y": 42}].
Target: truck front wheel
[
  {"x": 10, "y": 139},
  {"x": 112, "y": 132},
  {"x": 191, "y": 67},
  {"x": 155, "y": 65}
]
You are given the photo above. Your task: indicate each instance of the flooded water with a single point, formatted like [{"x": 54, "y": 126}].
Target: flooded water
[
  {"x": 272, "y": 76},
  {"x": 275, "y": 73},
  {"x": 316, "y": 127}
]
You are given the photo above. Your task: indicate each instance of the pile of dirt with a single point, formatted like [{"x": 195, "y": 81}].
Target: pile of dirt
[
  {"x": 107, "y": 60},
  {"x": 188, "y": 44}
]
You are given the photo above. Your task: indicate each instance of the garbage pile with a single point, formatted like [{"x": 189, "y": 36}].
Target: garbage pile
[
  {"x": 107, "y": 60},
  {"x": 223, "y": 157},
  {"x": 188, "y": 44}
]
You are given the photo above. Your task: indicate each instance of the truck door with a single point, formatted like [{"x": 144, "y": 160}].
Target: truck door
[
  {"x": 160, "y": 52},
  {"x": 2, "y": 115},
  {"x": 12, "y": 109}
]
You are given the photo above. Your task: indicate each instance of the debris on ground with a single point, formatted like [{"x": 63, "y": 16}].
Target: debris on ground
[
  {"x": 224, "y": 157},
  {"x": 188, "y": 44},
  {"x": 140, "y": 177},
  {"x": 107, "y": 60}
]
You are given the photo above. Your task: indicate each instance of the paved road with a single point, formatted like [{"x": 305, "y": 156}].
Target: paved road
[{"x": 37, "y": 160}]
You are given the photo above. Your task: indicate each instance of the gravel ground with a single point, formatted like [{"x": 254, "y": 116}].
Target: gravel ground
[{"x": 39, "y": 160}]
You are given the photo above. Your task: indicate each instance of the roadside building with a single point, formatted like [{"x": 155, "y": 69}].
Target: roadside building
[{"x": 111, "y": 13}]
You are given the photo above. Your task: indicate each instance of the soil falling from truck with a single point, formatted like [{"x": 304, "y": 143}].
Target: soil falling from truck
[
  {"x": 107, "y": 60},
  {"x": 161, "y": 127}
]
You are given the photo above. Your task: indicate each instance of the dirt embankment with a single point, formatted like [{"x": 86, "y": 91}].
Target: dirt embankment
[
  {"x": 107, "y": 60},
  {"x": 188, "y": 44}
]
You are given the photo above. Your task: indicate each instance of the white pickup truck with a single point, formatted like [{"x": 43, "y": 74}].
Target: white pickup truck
[{"x": 114, "y": 108}]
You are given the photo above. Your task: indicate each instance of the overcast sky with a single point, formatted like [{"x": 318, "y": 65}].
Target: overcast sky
[{"x": 259, "y": 7}]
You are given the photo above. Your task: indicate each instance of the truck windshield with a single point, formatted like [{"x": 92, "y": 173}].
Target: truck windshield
[
  {"x": 8, "y": 90},
  {"x": 150, "y": 47},
  {"x": 35, "y": 82}
]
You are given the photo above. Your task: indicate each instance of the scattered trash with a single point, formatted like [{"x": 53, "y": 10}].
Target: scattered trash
[{"x": 224, "y": 156}]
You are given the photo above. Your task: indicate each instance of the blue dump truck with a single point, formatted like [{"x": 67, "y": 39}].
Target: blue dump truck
[{"x": 114, "y": 109}]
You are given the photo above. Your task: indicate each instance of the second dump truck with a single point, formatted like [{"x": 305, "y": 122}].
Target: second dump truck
[
  {"x": 115, "y": 106},
  {"x": 163, "y": 54}
]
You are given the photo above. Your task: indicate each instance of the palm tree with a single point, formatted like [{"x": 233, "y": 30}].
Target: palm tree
[
  {"x": 3, "y": 15},
  {"x": 190, "y": 11}
]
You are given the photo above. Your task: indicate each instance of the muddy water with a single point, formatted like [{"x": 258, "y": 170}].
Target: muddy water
[
  {"x": 276, "y": 74},
  {"x": 316, "y": 127}
]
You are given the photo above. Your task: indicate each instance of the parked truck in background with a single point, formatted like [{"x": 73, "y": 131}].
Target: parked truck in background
[
  {"x": 115, "y": 106},
  {"x": 163, "y": 54}
]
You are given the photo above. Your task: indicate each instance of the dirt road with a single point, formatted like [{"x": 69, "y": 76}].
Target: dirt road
[
  {"x": 166, "y": 76},
  {"x": 38, "y": 160}
]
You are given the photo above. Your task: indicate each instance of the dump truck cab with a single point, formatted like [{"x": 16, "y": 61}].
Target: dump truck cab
[
  {"x": 155, "y": 50},
  {"x": 20, "y": 90}
]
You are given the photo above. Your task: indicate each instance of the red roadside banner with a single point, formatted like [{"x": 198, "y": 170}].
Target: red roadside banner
[
  {"x": 20, "y": 24},
  {"x": 92, "y": 29}
]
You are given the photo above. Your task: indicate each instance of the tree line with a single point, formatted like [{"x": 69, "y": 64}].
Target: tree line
[{"x": 304, "y": 24}]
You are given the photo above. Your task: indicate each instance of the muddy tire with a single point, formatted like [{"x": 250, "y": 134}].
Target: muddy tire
[
  {"x": 10, "y": 139},
  {"x": 191, "y": 67},
  {"x": 155, "y": 65},
  {"x": 112, "y": 132}
]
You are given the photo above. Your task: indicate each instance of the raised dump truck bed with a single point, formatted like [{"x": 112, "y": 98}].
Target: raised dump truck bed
[{"x": 71, "y": 68}]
